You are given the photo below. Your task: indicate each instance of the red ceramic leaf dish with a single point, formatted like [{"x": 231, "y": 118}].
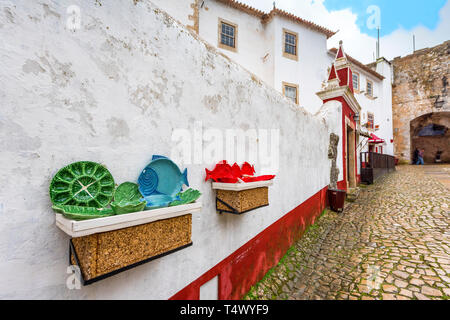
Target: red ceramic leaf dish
[
  {"x": 248, "y": 169},
  {"x": 225, "y": 173},
  {"x": 260, "y": 178}
]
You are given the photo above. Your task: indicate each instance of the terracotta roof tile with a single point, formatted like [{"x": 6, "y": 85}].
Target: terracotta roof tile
[
  {"x": 243, "y": 7},
  {"x": 304, "y": 22},
  {"x": 266, "y": 17}
]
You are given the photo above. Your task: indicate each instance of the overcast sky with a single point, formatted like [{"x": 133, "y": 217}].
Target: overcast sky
[{"x": 357, "y": 21}]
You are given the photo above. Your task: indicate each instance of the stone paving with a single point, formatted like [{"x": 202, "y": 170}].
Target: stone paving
[
  {"x": 440, "y": 173},
  {"x": 393, "y": 242}
]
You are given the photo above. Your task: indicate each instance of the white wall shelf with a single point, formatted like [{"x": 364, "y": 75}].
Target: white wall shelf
[
  {"x": 87, "y": 227},
  {"x": 241, "y": 186}
]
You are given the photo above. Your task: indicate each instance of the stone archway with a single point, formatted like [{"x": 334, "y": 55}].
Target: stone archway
[{"x": 431, "y": 132}]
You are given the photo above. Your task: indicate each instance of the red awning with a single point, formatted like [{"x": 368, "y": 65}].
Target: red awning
[{"x": 375, "y": 139}]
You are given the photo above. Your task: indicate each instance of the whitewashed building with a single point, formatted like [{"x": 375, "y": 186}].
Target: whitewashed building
[
  {"x": 283, "y": 50},
  {"x": 290, "y": 54},
  {"x": 372, "y": 86}
]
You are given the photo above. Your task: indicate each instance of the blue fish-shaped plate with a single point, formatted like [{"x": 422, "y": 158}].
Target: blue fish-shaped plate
[
  {"x": 162, "y": 176},
  {"x": 147, "y": 181},
  {"x": 156, "y": 201}
]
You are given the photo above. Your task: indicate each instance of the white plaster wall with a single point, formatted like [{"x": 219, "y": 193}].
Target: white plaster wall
[
  {"x": 367, "y": 104},
  {"x": 385, "y": 114},
  {"x": 380, "y": 107},
  {"x": 331, "y": 113},
  {"x": 113, "y": 92},
  {"x": 254, "y": 39},
  {"x": 180, "y": 10},
  {"x": 310, "y": 69}
]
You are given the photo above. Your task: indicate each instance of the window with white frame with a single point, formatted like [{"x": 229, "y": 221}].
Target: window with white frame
[
  {"x": 291, "y": 91},
  {"x": 355, "y": 81},
  {"x": 369, "y": 88},
  {"x": 227, "y": 35},
  {"x": 370, "y": 120},
  {"x": 290, "y": 44}
]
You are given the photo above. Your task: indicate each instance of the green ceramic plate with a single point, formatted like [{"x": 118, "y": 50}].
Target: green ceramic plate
[
  {"x": 84, "y": 183},
  {"x": 127, "y": 192},
  {"x": 127, "y": 199},
  {"x": 188, "y": 196},
  {"x": 128, "y": 207},
  {"x": 83, "y": 213}
]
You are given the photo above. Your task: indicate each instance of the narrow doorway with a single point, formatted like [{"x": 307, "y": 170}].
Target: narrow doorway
[{"x": 350, "y": 155}]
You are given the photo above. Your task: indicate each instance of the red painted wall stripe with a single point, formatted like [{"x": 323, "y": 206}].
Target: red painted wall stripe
[{"x": 247, "y": 265}]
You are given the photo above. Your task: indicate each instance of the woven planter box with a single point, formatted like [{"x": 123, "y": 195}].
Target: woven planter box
[
  {"x": 103, "y": 254},
  {"x": 242, "y": 197},
  {"x": 107, "y": 252}
]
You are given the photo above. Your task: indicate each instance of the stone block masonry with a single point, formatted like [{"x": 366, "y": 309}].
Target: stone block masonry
[{"x": 420, "y": 79}]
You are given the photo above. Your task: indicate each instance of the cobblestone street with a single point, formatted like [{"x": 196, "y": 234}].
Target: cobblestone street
[{"x": 393, "y": 242}]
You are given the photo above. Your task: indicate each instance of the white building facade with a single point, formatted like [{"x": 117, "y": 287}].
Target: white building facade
[
  {"x": 290, "y": 54},
  {"x": 372, "y": 85},
  {"x": 257, "y": 41}
]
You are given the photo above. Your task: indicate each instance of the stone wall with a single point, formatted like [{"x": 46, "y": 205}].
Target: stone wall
[{"x": 418, "y": 79}]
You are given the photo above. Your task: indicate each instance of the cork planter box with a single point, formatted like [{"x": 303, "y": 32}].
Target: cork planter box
[
  {"x": 238, "y": 198},
  {"x": 106, "y": 246}
]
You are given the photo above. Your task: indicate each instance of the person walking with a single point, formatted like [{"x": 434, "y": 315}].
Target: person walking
[
  {"x": 420, "y": 157},
  {"x": 415, "y": 156}
]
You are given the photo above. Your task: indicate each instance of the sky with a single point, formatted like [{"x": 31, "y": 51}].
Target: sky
[{"x": 358, "y": 20}]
